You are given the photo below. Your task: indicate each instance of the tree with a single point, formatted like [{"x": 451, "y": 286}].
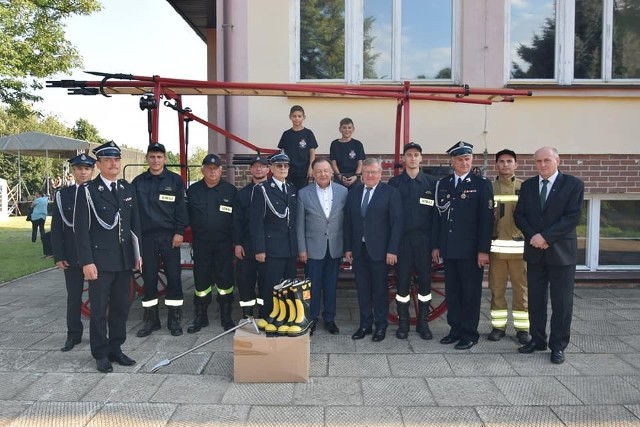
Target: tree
[
  {"x": 33, "y": 46},
  {"x": 86, "y": 131},
  {"x": 322, "y": 41}
]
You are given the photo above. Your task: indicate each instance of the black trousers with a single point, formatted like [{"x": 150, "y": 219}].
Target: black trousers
[
  {"x": 212, "y": 267},
  {"x": 463, "y": 292},
  {"x": 37, "y": 224},
  {"x": 371, "y": 285},
  {"x": 109, "y": 296},
  {"x": 414, "y": 256},
  {"x": 275, "y": 270},
  {"x": 543, "y": 279},
  {"x": 249, "y": 273},
  {"x": 74, "y": 281},
  {"x": 157, "y": 247}
]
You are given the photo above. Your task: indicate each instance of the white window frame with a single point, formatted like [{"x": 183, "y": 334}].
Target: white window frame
[
  {"x": 593, "y": 233},
  {"x": 565, "y": 47},
  {"x": 354, "y": 41}
]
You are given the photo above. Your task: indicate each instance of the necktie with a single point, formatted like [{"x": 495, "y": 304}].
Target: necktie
[
  {"x": 284, "y": 188},
  {"x": 543, "y": 192},
  {"x": 365, "y": 202},
  {"x": 114, "y": 190},
  {"x": 457, "y": 181}
]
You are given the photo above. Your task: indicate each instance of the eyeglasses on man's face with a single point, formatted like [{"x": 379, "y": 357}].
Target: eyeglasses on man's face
[{"x": 281, "y": 165}]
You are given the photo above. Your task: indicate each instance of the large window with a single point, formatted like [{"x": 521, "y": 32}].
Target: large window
[
  {"x": 575, "y": 41},
  {"x": 374, "y": 40}
]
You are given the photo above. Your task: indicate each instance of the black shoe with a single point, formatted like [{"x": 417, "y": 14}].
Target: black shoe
[
  {"x": 360, "y": 333},
  {"x": 464, "y": 344},
  {"x": 70, "y": 343},
  {"x": 331, "y": 327},
  {"x": 449, "y": 339},
  {"x": 532, "y": 346},
  {"x": 557, "y": 357},
  {"x": 497, "y": 334},
  {"x": 122, "y": 359},
  {"x": 523, "y": 337},
  {"x": 379, "y": 334},
  {"x": 312, "y": 328},
  {"x": 104, "y": 365}
]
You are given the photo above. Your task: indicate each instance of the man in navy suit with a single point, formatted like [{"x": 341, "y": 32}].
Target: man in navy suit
[
  {"x": 548, "y": 212},
  {"x": 462, "y": 237},
  {"x": 320, "y": 233},
  {"x": 64, "y": 246},
  {"x": 107, "y": 233},
  {"x": 372, "y": 233}
]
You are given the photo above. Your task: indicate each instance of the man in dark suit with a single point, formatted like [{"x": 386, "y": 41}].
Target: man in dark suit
[
  {"x": 372, "y": 233},
  {"x": 272, "y": 222},
  {"x": 462, "y": 237},
  {"x": 107, "y": 232},
  {"x": 548, "y": 212},
  {"x": 320, "y": 225},
  {"x": 64, "y": 246}
]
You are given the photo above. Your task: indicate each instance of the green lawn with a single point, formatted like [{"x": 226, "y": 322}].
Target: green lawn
[{"x": 18, "y": 256}]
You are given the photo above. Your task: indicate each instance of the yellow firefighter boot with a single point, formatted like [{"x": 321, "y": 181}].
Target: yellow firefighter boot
[{"x": 302, "y": 300}]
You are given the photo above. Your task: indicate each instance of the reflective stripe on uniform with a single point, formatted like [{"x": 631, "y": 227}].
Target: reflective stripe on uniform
[
  {"x": 499, "y": 318},
  {"x": 173, "y": 302},
  {"x": 259, "y": 301},
  {"x": 150, "y": 303},
  {"x": 521, "y": 320},
  {"x": 202, "y": 294},
  {"x": 507, "y": 246},
  {"x": 402, "y": 299},
  {"x": 503, "y": 198},
  {"x": 424, "y": 298},
  {"x": 227, "y": 291},
  {"x": 248, "y": 303}
]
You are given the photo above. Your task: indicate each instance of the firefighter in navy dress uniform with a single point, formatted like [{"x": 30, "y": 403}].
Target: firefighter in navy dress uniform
[
  {"x": 64, "y": 246},
  {"x": 272, "y": 221},
  {"x": 210, "y": 205},
  {"x": 107, "y": 232},
  {"x": 163, "y": 214},
  {"x": 463, "y": 227}
]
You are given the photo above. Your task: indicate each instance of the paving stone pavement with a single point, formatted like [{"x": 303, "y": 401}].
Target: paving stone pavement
[{"x": 393, "y": 383}]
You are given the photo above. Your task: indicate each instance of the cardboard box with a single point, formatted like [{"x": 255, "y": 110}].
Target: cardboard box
[{"x": 262, "y": 359}]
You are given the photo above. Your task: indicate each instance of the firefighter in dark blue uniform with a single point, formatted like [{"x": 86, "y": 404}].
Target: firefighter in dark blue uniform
[
  {"x": 210, "y": 205},
  {"x": 248, "y": 269},
  {"x": 64, "y": 246},
  {"x": 107, "y": 234},
  {"x": 417, "y": 190},
  {"x": 273, "y": 230},
  {"x": 464, "y": 229},
  {"x": 163, "y": 213}
]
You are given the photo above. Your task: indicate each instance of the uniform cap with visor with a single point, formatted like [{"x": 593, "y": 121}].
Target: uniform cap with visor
[
  {"x": 108, "y": 149},
  {"x": 279, "y": 158},
  {"x": 460, "y": 148},
  {"x": 82, "y": 160}
]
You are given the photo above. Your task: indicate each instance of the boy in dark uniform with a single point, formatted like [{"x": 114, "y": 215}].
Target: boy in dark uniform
[
  {"x": 163, "y": 213},
  {"x": 210, "y": 205},
  {"x": 417, "y": 190},
  {"x": 64, "y": 246},
  {"x": 107, "y": 232},
  {"x": 248, "y": 269},
  {"x": 299, "y": 144},
  {"x": 463, "y": 228}
]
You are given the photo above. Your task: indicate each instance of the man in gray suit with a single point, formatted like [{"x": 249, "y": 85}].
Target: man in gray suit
[{"x": 320, "y": 239}]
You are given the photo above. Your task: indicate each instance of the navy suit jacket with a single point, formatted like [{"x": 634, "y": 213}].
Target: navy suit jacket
[
  {"x": 557, "y": 221},
  {"x": 63, "y": 240},
  {"x": 381, "y": 226},
  {"x": 110, "y": 250},
  {"x": 270, "y": 234}
]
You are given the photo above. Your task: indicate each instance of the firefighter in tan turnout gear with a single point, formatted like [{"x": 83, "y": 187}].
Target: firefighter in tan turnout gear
[{"x": 507, "y": 250}]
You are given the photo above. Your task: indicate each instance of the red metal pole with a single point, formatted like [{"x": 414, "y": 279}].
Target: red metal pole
[{"x": 184, "y": 161}]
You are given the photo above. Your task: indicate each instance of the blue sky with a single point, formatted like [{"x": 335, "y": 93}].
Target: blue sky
[{"x": 141, "y": 37}]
